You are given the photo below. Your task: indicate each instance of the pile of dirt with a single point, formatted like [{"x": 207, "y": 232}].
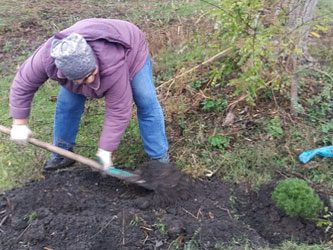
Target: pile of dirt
[{"x": 81, "y": 209}]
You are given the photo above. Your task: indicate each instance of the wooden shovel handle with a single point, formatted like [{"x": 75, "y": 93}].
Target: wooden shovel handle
[{"x": 63, "y": 152}]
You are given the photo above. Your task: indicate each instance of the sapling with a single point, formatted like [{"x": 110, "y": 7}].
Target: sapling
[{"x": 297, "y": 198}]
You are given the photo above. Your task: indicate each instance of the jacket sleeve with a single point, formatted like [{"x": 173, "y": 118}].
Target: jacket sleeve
[
  {"x": 118, "y": 109},
  {"x": 30, "y": 76}
]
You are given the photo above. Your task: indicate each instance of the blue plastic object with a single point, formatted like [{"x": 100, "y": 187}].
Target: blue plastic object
[{"x": 308, "y": 155}]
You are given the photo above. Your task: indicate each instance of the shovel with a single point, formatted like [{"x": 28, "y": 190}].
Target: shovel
[{"x": 114, "y": 172}]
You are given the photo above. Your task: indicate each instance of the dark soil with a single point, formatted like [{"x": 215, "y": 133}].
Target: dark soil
[
  {"x": 168, "y": 182},
  {"x": 81, "y": 209}
]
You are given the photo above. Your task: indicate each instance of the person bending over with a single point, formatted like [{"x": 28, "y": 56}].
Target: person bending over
[{"x": 94, "y": 58}]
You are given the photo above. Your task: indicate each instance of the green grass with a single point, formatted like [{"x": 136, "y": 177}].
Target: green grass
[
  {"x": 325, "y": 10},
  {"x": 243, "y": 244},
  {"x": 18, "y": 163},
  {"x": 5, "y": 17}
]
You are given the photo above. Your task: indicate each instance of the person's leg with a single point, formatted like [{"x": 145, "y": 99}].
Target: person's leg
[
  {"x": 70, "y": 107},
  {"x": 150, "y": 115}
]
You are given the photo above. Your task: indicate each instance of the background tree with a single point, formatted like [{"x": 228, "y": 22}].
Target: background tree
[
  {"x": 300, "y": 15},
  {"x": 269, "y": 38}
]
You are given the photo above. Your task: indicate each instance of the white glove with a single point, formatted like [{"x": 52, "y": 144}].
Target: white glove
[
  {"x": 104, "y": 158},
  {"x": 20, "y": 133}
]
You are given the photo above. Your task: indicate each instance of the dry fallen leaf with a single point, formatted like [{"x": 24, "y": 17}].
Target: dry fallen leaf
[{"x": 229, "y": 119}]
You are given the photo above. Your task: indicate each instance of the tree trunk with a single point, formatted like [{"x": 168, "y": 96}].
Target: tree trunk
[{"x": 301, "y": 13}]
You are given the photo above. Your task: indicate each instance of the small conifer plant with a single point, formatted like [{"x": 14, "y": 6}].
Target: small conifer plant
[{"x": 297, "y": 198}]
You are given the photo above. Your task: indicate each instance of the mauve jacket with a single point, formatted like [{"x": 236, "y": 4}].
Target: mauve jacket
[{"x": 121, "y": 51}]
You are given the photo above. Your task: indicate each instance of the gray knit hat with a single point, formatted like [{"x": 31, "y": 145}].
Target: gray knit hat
[{"x": 73, "y": 56}]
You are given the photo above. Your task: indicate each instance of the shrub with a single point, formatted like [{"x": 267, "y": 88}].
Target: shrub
[{"x": 297, "y": 198}]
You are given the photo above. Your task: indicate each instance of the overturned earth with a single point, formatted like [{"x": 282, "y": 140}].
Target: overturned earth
[{"x": 81, "y": 209}]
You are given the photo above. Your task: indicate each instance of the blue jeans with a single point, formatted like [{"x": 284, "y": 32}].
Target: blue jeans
[{"x": 70, "y": 107}]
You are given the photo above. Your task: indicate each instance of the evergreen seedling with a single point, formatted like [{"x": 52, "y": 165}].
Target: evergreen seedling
[{"x": 297, "y": 198}]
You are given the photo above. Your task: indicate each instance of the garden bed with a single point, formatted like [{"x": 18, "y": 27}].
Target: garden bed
[{"x": 81, "y": 209}]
